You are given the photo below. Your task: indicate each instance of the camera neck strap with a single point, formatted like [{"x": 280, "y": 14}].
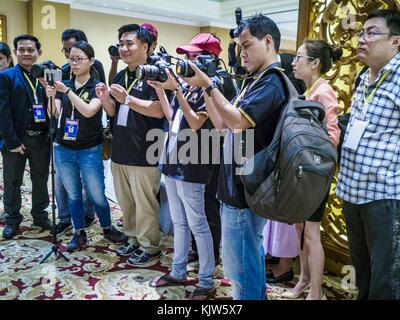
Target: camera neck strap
[
  {"x": 34, "y": 88},
  {"x": 126, "y": 82}
]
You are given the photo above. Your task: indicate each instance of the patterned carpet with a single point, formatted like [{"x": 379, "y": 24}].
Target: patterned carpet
[{"x": 97, "y": 272}]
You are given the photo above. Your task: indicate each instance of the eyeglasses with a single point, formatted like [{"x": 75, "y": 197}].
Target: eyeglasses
[
  {"x": 297, "y": 57},
  {"x": 370, "y": 34},
  {"x": 77, "y": 60}
]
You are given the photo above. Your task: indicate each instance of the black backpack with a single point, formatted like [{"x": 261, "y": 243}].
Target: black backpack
[{"x": 289, "y": 179}]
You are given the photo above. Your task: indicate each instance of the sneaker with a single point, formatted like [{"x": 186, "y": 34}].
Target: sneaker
[
  {"x": 78, "y": 241},
  {"x": 89, "y": 221},
  {"x": 140, "y": 257},
  {"x": 115, "y": 235},
  {"x": 127, "y": 249},
  {"x": 63, "y": 227}
]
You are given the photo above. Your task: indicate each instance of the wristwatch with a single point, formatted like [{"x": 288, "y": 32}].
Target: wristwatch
[
  {"x": 127, "y": 100},
  {"x": 210, "y": 88}
]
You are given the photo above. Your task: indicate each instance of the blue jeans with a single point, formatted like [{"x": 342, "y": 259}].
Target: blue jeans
[
  {"x": 243, "y": 257},
  {"x": 186, "y": 201},
  {"x": 88, "y": 164},
  {"x": 62, "y": 201}
]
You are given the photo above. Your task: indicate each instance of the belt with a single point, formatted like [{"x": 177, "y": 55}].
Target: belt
[{"x": 32, "y": 133}]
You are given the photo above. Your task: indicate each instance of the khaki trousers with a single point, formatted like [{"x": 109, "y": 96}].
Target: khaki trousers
[{"x": 136, "y": 189}]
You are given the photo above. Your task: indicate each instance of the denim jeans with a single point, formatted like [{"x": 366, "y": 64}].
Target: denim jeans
[
  {"x": 88, "y": 164},
  {"x": 243, "y": 256},
  {"x": 186, "y": 201},
  {"x": 62, "y": 201}
]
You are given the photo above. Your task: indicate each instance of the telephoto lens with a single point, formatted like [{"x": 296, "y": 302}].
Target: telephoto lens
[
  {"x": 154, "y": 73},
  {"x": 37, "y": 70},
  {"x": 183, "y": 69}
]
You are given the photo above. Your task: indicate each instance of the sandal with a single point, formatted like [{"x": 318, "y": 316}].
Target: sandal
[
  {"x": 165, "y": 281},
  {"x": 203, "y": 294}
]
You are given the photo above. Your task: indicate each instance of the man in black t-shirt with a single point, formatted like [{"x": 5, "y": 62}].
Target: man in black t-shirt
[
  {"x": 68, "y": 38},
  {"x": 254, "y": 114},
  {"x": 23, "y": 124},
  {"x": 136, "y": 179}
]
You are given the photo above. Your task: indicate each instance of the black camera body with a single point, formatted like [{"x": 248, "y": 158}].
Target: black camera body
[
  {"x": 206, "y": 63},
  {"x": 37, "y": 70},
  {"x": 113, "y": 50}
]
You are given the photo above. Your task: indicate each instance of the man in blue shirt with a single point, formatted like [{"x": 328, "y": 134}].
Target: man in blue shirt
[{"x": 256, "y": 109}]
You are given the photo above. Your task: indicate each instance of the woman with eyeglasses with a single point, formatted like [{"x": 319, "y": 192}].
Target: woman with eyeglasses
[
  {"x": 78, "y": 148},
  {"x": 314, "y": 58}
]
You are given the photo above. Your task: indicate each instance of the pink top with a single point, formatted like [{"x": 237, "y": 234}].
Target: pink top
[{"x": 322, "y": 92}]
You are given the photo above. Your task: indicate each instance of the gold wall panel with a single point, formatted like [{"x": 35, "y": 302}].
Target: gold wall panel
[
  {"x": 338, "y": 22},
  {"x": 3, "y": 29}
]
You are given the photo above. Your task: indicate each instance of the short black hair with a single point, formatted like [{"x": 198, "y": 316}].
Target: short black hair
[
  {"x": 392, "y": 18},
  {"x": 141, "y": 33},
  {"x": 77, "y": 34},
  {"x": 27, "y": 37},
  {"x": 5, "y": 49},
  {"x": 85, "y": 47},
  {"x": 259, "y": 26}
]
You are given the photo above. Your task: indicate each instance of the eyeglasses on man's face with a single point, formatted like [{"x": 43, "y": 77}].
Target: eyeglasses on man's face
[
  {"x": 371, "y": 34},
  {"x": 296, "y": 58},
  {"x": 77, "y": 60},
  {"x": 66, "y": 50}
]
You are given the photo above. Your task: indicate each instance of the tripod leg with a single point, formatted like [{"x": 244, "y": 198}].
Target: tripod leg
[
  {"x": 61, "y": 255},
  {"x": 46, "y": 257}
]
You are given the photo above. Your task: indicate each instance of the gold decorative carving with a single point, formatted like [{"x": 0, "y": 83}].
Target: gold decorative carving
[
  {"x": 3, "y": 28},
  {"x": 338, "y": 22}
]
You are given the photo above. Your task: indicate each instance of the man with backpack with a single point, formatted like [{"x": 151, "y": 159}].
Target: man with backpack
[{"x": 257, "y": 108}]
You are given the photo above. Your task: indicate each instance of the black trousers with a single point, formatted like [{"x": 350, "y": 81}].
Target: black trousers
[
  {"x": 373, "y": 231},
  {"x": 212, "y": 209},
  {"x": 38, "y": 154}
]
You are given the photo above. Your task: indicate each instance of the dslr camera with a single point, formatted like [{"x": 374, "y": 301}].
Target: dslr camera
[
  {"x": 47, "y": 70},
  {"x": 155, "y": 67},
  {"x": 206, "y": 63}
]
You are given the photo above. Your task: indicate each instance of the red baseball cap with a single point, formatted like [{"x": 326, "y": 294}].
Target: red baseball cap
[
  {"x": 202, "y": 42},
  {"x": 152, "y": 30}
]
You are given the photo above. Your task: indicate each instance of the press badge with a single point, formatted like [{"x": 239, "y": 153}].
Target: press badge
[
  {"x": 123, "y": 115},
  {"x": 39, "y": 113},
  {"x": 356, "y": 132},
  {"x": 71, "y": 129}
]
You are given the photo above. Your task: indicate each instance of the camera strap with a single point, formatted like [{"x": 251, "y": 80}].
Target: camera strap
[{"x": 34, "y": 88}]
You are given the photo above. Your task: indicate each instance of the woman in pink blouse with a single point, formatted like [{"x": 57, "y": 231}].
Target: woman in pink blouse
[{"x": 314, "y": 58}]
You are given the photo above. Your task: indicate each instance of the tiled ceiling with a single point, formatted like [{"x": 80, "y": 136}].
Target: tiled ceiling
[{"x": 218, "y": 13}]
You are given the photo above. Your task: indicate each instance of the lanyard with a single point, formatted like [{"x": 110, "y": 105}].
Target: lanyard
[
  {"x": 307, "y": 93},
  {"x": 34, "y": 88},
  {"x": 73, "y": 107},
  {"x": 126, "y": 82},
  {"x": 367, "y": 99}
]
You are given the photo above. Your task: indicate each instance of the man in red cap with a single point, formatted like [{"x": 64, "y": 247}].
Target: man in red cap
[
  {"x": 190, "y": 186},
  {"x": 152, "y": 40}
]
